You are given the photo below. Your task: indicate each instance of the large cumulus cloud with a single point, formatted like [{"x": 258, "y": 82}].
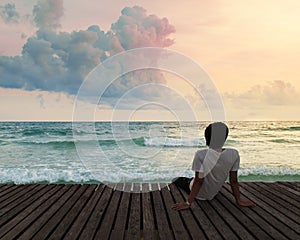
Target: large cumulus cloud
[{"x": 59, "y": 61}]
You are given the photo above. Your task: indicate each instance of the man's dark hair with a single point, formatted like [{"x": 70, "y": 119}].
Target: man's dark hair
[{"x": 216, "y": 134}]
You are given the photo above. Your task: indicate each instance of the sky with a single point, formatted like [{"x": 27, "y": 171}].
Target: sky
[{"x": 250, "y": 51}]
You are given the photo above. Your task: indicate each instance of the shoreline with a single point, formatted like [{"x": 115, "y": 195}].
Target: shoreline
[{"x": 265, "y": 179}]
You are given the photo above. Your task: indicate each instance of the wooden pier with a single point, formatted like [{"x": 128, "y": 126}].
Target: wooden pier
[{"x": 91, "y": 211}]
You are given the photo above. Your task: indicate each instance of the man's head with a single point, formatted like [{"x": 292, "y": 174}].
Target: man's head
[{"x": 216, "y": 134}]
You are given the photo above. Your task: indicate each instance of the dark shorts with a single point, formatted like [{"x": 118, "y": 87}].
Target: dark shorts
[{"x": 183, "y": 183}]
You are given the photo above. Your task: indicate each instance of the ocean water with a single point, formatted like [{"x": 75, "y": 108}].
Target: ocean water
[{"x": 62, "y": 152}]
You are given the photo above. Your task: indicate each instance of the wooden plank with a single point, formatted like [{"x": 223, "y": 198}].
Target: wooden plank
[
  {"x": 19, "y": 204},
  {"x": 190, "y": 222},
  {"x": 20, "y": 212},
  {"x": 16, "y": 194},
  {"x": 4, "y": 186},
  {"x": 118, "y": 231},
  {"x": 268, "y": 214},
  {"x": 120, "y": 187},
  {"x": 105, "y": 228},
  {"x": 289, "y": 188},
  {"x": 245, "y": 222},
  {"x": 162, "y": 185},
  {"x": 148, "y": 221},
  {"x": 208, "y": 227},
  {"x": 261, "y": 224},
  {"x": 97, "y": 215},
  {"x": 61, "y": 230},
  {"x": 284, "y": 190},
  {"x": 288, "y": 184},
  {"x": 33, "y": 215},
  {"x": 136, "y": 188},
  {"x": 55, "y": 220},
  {"x": 9, "y": 188},
  {"x": 111, "y": 185},
  {"x": 13, "y": 199},
  {"x": 224, "y": 230},
  {"x": 146, "y": 187},
  {"x": 134, "y": 223},
  {"x": 128, "y": 187},
  {"x": 176, "y": 222},
  {"x": 292, "y": 185},
  {"x": 231, "y": 220},
  {"x": 141, "y": 187},
  {"x": 282, "y": 213},
  {"x": 63, "y": 194},
  {"x": 161, "y": 215},
  {"x": 280, "y": 197},
  {"x": 80, "y": 222},
  {"x": 154, "y": 186}
]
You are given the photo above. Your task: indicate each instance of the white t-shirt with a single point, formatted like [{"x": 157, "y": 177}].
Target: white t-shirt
[{"x": 214, "y": 167}]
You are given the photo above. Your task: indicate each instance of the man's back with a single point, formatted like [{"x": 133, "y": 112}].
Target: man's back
[{"x": 214, "y": 167}]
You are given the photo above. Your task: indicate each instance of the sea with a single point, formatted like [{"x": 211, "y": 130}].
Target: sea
[{"x": 107, "y": 152}]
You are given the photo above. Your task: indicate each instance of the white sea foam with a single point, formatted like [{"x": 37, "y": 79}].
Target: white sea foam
[
  {"x": 268, "y": 171},
  {"x": 174, "y": 142},
  {"x": 27, "y": 175}
]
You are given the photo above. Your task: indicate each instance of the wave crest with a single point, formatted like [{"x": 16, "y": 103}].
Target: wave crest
[{"x": 174, "y": 142}]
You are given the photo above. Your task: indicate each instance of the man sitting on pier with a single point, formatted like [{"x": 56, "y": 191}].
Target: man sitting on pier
[{"x": 212, "y": 167}]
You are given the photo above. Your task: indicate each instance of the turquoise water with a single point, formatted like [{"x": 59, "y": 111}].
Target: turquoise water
[{"x": 59, "y": 152}]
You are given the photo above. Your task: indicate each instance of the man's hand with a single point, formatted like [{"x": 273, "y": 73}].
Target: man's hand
[
  {"x": 236, "y": 192},
  {"x": 180, "y": 206},
  {"x": 245, "y": 203},
  {"x": 197, "y": 183}
]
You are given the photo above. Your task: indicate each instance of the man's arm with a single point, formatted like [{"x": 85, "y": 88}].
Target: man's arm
[
  {"x": 195, "y": 189},
  {"x": 236, "y": 192}
]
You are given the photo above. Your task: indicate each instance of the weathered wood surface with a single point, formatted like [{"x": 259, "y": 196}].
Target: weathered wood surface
[{"x": 118, "y": 211}]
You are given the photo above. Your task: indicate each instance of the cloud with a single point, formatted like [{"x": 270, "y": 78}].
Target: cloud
[
  {"x": 275, "y": 93},
  {"x": 59, "y": 61},
  {"x": 41, "y": 99},
  {"x": 9, "y": 14},
  {"x": 47, "y": 14},
  {"x": 280, "y": 93},
  {"x": 135, "y": 28},
  {"x": 23, "y": 36}
]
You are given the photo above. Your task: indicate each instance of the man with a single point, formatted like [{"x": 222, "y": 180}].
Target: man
[{"x": 212, "y": 167}]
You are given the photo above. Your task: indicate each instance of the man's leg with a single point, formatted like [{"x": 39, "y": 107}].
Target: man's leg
[{"x": 183, "y": 183}]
